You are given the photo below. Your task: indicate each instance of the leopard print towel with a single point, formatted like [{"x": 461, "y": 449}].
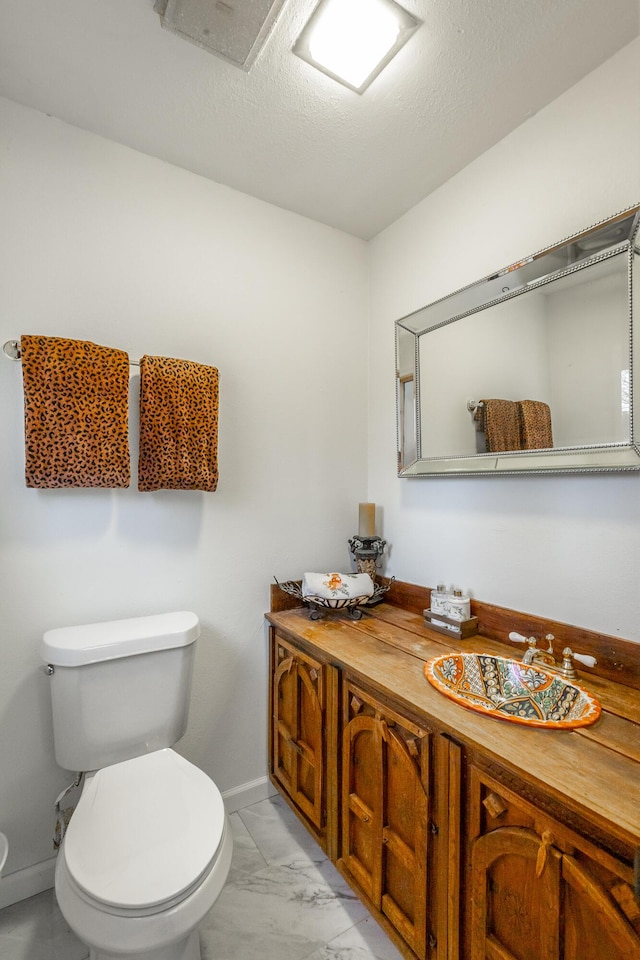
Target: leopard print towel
[
  {"x": 178, "y": 425},
  {"x": 76, "y": 397},
  {"x": 534, "y": 418},
  {"x": 499, "y": 419}
]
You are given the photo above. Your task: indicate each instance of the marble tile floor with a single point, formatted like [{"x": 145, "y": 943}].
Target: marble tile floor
[{"x": 283, "y": 901}]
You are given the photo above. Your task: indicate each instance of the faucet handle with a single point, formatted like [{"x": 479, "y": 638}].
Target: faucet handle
[
  {"x": 586, "y": 659},
  {"x": 568, "y": 670},
  {"x": 530, "y": 654}
]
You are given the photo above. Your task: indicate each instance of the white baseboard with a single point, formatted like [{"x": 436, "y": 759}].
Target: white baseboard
[
  {"x": 32, "y": 880},
  {"x": 248, "y": 793},
  {"x": 27, "y": 882}
]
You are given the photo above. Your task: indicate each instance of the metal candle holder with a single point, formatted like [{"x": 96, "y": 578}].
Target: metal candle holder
[{"x": 367, "y": 551}]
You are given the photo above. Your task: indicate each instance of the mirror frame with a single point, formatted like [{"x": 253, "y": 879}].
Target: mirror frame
[{"x": 525, "y": 275}]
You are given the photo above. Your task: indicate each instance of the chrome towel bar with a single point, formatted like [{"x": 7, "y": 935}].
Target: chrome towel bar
[{"x": 13, "y": 350}]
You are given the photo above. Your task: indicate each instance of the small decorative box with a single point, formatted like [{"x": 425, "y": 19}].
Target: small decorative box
[{"x": 459, "y": 629}]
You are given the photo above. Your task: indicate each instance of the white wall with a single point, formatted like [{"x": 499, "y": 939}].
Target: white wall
[
  {"x": 474, "y": 358},
  {"x": 102, "y": 243},
  {"x": 563, "y": 547},
  {"x": 588, "y": 351}
]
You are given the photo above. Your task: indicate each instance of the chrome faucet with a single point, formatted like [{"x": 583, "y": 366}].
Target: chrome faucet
[
  {"x": 533, "y": 655},
  {"x": 545, "y": 658}
]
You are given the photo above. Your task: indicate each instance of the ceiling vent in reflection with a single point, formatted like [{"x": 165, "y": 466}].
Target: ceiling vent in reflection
[{"x": 235, "y": 30}]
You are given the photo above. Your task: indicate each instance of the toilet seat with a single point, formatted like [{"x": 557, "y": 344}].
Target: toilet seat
[{"x": 144, "y": 834}]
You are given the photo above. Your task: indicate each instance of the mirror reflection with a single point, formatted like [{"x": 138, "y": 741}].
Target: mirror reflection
[{"x": 532, "y": 363}]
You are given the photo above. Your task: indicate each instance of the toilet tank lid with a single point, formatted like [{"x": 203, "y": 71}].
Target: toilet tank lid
[{"x": 94, "y": 642}]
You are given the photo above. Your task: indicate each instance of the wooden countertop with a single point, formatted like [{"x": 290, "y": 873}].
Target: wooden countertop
[{"x": 594, "y": 770}]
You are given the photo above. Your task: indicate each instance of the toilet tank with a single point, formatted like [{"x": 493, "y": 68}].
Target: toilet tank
[{"x": 119, "y": 689}]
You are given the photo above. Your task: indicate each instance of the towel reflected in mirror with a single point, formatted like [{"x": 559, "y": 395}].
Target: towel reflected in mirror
[
  {"x": 510, "y": 425},
  {"x": 534, "y": 419}
]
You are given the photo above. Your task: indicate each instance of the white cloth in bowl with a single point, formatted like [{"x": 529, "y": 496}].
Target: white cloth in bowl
[{"x": 337, "y": 586}]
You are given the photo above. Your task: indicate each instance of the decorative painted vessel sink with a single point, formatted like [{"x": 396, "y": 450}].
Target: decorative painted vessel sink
[{"x": 510, "y": 690}]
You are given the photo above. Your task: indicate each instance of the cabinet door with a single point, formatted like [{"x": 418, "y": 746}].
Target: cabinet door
[
  {"x": 601, "y": 916},
  {"x": 515, "y": 903},
  {"x": 298, "y": 710},
  {"x": 385, "y": 770},
  {"x": 540, "y": 891}
]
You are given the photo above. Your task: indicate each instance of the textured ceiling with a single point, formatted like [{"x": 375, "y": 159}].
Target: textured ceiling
[{"x": 285, "y": 132}]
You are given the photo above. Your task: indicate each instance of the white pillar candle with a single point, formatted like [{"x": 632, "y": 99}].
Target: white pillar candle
[{"x": 366, "y": 520}]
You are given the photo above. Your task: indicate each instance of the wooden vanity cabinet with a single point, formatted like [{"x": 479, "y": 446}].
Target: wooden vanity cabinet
[
  {"x": 385, "y": 806},
  {"x": 467, "y": 839},
  {"x": 537, "y": 890},
  {"x": 302, "y": 700},
  {"x": 361, "y": 776}
]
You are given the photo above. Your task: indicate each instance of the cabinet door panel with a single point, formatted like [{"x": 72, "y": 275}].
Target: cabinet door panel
[
  {"x": 284, "y": 712},
  {"x": 515, "y": 896},
  {"x": 539, "y": 890},
  {"x": 298, "y": 717},
  {"x": 309, "y": 742},
  {"x": 595, "y": 927},
  {"x": 404, "y": 837},
  {"x": 362, "y": 803},
  {"x": 385, "y": 809}
]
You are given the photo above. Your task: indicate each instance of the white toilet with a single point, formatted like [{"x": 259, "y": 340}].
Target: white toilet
[{"x": 148, "y": 848}]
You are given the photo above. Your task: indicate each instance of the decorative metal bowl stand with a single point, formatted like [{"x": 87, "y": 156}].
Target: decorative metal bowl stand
[{"x": 319, "y": 605}]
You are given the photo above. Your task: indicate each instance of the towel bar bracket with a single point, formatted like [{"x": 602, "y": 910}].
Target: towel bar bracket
[{"x": 12, "y": 349}]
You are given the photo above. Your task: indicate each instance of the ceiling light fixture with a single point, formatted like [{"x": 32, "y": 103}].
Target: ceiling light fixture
[{"x": 353, "y": 40}]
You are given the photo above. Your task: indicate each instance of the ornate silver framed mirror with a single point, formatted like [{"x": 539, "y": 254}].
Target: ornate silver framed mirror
[{"x": 529, "y": 370}]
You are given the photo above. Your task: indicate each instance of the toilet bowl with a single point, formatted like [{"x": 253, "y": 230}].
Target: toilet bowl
[
  {"x": 148, "y": 847},
  {"x": 145, "y": 856}
]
